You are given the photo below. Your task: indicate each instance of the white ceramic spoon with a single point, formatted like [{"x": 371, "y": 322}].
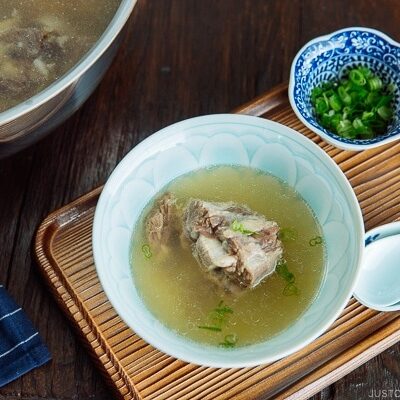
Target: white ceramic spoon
[{"x": 378, "y": 286}]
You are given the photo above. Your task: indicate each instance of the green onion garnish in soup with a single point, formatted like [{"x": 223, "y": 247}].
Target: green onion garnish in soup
[
  {"x": 210, "y": 328},
  {"x": 218, "y": 317},
  {"x": 290, "y": 290},
  {"x": 146, "y": 251},
  {"x": 283, "y": 271},
  {"x": 315, "y": 241},
  {"x": 239, "y": 227},
  {"x": 229, "y": 341},
  {"x": 355, "y": 107},
  {"x": 288, "y": 234}
]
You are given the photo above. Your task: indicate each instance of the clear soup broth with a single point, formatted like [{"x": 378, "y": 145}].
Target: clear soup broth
[
  {"x": 40, "y": 40},
  {"x": 177, "y": 292}
]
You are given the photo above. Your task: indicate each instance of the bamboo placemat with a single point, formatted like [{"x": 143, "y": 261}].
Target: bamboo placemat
[{"x": 138, "y": 371}]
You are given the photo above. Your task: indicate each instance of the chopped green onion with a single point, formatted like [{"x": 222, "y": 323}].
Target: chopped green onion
[
  {"x": 345, "y": 129},
  {"x": 316, "y": 241},
  {"x": 366, "y": 72},
  {"x": 238, "y": 227},
  {"x": 391, "y": 88},
  {"x": 344, "y": 96},
  {"x": 321, "y": 105},
  {"x": 375, "y": 83},
  {"x": 362, "y": 94},
  {"x": 229, "y": 341},
  {"x": 219, "y": 313},
  {"x": 367, "y": 116},
  {"x": 328, "y": 94},
  {"x": 146, "y": 251},
  {"x": 358, "y": 124},
  {"x": 357, "y": 77},
  {"x": 384, "y": 100},
  {"x": 356, "y": 106},
  {"x": 290, "y": 290},
  {"x": 315, "y": 93},
  {"x": 210, "y": 328},
  {"x": 372, "y": 98},
  {"x": 385, "y": 113},
  {"x": 217, "y": 318},
  {"x": 283, "y": 271},
  {"x": 335, "y": 120},
  {"x": 287, "y": 234},
  {"x": 335, "y": 102}
]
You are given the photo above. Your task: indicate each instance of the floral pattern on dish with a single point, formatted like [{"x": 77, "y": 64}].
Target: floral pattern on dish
[{"x": 328, "y": 57}]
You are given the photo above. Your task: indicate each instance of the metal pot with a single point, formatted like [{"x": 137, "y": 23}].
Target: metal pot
[{"x": 29, "y": 121}]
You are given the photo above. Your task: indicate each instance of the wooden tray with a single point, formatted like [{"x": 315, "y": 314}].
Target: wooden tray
[{"x": 138, "y": 371}]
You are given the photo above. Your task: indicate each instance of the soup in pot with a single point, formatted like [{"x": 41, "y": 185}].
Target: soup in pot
[{"x": 40, "y": 40}]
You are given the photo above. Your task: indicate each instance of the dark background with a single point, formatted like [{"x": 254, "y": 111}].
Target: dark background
[{"x": 178, "y": 59}]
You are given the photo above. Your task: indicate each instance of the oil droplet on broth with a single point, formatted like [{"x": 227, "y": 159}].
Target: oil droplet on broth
[{"x": 185, "y": 297}]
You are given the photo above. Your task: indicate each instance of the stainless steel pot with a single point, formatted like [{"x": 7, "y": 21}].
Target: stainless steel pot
[{"x": 29, "y": 121}]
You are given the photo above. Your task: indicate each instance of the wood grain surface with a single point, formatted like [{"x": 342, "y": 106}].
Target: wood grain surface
[
  {"x": 136, "y": 370},
  {"x": 179, "y": 59}
]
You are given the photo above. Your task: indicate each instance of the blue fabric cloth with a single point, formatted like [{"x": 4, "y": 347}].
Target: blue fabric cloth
[{"x": 21, "y": 348}]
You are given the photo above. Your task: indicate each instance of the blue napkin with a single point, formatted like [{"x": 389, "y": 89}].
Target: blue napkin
[{"x": 21, "y": 348}]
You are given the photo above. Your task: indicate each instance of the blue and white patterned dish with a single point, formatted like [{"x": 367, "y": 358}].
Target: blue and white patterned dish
[
  {"x": 382, "y": 231},
  {"x": 236, "y": 140},
  {"x": 332, "y": 56}
]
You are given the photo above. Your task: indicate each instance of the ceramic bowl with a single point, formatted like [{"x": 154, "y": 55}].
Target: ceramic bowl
[
  {"x": 329, "y": 57},
  {"x": 234, "y": 140},
  {"x": 362, "y": 290}
]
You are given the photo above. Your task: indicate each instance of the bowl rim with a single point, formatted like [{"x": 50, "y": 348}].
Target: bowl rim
[
  {"x": 118, "y": 175},
  {"x": 292, "y": 83},
  {"x": 385, "y": 230},
  {"x": 108, "y": 36}
]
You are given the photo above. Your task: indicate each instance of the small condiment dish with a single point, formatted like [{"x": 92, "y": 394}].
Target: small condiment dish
[
  {"x": 378, "y": 286},
  {"x": 330, "y": 57}
]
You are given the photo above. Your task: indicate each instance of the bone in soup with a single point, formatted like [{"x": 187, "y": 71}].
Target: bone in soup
[
  {"x": 40, "y": 40},
  {"x": 227, "y": 256}
]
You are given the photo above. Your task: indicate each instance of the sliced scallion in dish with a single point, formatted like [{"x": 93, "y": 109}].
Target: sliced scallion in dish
[{"x": 356, "y": 107}]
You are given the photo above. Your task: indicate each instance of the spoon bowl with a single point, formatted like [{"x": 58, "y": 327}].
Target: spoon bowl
[{"x": 378, "y": 286}]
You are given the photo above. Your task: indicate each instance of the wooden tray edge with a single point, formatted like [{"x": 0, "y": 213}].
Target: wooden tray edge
[
  {"x": 67, "y": 213},
  {"x": 47, "y": 267},
  {"x": 374, "y": 346}
]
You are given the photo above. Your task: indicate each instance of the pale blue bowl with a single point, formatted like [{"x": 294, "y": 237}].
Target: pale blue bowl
[
  {"x": 228, "y": 139},
  {"x": 329, "y": 57}
]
